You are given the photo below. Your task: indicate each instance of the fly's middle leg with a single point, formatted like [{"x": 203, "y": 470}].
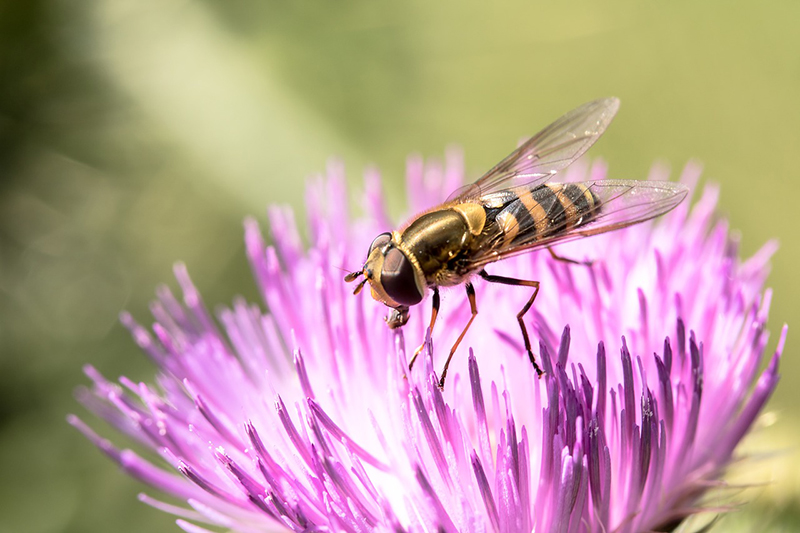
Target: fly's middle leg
[{"x": 524, "y": 283}]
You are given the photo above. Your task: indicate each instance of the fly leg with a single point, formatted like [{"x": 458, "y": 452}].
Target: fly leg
[
  {"x": 568, "y": 260},
  {"x": 474, "y": 308},
  {"x": 434, "y": 314},
  {"x": 526, "y": 283}
]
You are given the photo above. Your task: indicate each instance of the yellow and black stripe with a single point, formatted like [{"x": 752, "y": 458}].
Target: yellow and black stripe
[{"x": 525, "y": 215}]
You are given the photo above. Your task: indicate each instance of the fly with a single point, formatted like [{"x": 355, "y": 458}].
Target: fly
[{"x": 515, "y": 207}]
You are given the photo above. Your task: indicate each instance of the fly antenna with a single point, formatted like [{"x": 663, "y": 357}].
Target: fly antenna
[
  {"x": 360, "y": 286},
  {"x": 352, "y": 276}
]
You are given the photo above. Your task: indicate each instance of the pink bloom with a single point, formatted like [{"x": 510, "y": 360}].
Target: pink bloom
[{"x": 306, "y": 418}]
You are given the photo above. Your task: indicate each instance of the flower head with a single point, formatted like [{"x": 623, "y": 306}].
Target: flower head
[{"x": 306, "y": 417}]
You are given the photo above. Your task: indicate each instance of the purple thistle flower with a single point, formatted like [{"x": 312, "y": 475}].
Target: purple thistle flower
[{"x": 306, "y": 418}]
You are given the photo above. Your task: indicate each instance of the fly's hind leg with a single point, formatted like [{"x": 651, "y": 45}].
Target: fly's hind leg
[
  {"x": 474, "y": 308},
  {"x": 525, "y": 283},
  {"x": 568, "y": 260},
  {"x": 434, "y": 314}
]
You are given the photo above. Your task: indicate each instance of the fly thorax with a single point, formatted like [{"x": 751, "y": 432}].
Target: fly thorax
[{"x": 435, "y": 238}]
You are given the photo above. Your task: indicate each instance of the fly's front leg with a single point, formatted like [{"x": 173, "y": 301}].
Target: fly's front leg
[
  {"x": 434, "y": 314},
  {"x": 474, "y": 308},
  {"x": 525, "y": 283}
]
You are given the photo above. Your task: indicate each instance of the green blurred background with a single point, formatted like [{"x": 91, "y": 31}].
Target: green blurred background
[{"x": 135, "y": 134}]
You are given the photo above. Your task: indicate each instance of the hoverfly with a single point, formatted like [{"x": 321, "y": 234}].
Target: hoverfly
[{"x": 513, "y": 208}]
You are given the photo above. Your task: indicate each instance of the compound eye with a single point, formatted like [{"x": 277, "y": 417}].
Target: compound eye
[
  {"x": 379, "y": 242},
  {"x": 398, "y": 279}
]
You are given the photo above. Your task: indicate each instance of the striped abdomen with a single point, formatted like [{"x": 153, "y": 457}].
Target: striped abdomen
[{"x": 524, "y": 215}]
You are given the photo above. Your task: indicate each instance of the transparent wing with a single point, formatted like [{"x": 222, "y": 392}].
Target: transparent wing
[
  {"x": 621, "y": 203},
  {"x": 543, "y": 155}
]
